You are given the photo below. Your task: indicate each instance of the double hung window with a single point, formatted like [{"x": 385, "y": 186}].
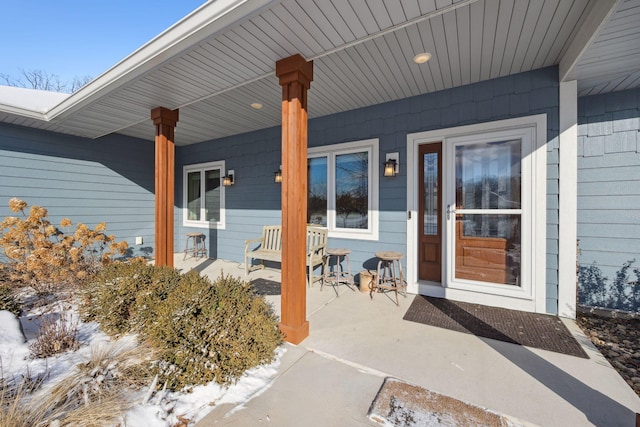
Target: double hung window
[{"x": 204, "y": 195}]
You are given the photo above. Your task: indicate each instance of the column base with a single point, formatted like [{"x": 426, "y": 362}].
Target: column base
[{"x": 295, "y": 335}]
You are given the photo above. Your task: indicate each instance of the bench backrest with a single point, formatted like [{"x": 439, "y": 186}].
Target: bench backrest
[
  {"x": 317, "y": 236},
  {"x": 272, "y": 237}
]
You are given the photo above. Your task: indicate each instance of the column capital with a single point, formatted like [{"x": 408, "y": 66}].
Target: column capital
[
  {"x": 164, "y": 116},
  {"x": 295, "y": 69}
]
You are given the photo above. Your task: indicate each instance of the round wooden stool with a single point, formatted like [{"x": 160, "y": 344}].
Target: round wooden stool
[
  {"x": 337, "y": 275},
  {"x": 197, "y": 248},
  {"x": 390, "y": 277}
]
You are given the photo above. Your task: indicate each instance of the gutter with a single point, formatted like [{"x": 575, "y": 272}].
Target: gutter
[{"x": 22, "y": 112}]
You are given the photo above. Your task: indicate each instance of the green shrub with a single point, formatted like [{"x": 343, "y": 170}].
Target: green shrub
[
  {"x": 213, "y": 331},
  {"x": 118, "y": 297},
  {"x": 9, "y": 301},
  {"x": 204, "y": 331}
]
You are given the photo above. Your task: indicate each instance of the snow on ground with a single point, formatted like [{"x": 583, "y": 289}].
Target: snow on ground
[
  {"x": 162, "y": 408},
  {"x": 201, "y": 400}
]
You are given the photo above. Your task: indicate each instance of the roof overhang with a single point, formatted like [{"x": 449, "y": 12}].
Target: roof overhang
[{"x": 221, "y": 58}]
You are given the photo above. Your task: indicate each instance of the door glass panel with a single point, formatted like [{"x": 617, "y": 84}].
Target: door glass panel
[
  {"x": 317, "y": 193},
  {"x": 488, "y": 175},
  {"x": 193, "y": 196},
  {"x": 488, "y": 217},
  {"x": 352, "y": 190},
  {"x": 430, "y": 194}
]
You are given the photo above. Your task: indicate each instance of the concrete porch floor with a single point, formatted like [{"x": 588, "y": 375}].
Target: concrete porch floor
[{"x": 332, "y": 377}]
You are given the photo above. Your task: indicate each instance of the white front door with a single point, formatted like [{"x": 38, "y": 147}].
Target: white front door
[{"x": 493, "y": 202}]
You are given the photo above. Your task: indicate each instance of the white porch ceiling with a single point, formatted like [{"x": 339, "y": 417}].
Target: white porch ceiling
[
  {"x": 362, "y": 53},
  {"x": 612, "y": 61}
]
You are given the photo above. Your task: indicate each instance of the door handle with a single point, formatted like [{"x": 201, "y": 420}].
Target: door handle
[{"x": 450, "y": 210}]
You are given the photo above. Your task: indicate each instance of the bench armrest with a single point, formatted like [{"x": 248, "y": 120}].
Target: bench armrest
[
  {"x": 247, "y": 243},
  {"x": 316, "y": 248}
]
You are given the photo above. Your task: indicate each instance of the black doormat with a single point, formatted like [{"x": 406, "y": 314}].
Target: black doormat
[
  {"x": 266, "y": 287},
  {"x": 541, "y": 331}
]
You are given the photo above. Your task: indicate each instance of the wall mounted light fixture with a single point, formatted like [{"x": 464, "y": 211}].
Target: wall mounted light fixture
[
  {"x": 229, "y": 179},
  {"x": 278, "y": 175},
  {"x": 392, "y": 164}
]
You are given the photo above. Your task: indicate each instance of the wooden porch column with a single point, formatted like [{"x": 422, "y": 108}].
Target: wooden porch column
[
  {"x": 295, "y": 75},
  {"x": 165, "y": 121}
]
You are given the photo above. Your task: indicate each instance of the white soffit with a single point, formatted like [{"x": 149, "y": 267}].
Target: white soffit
[{"x": 612, "y": 60}]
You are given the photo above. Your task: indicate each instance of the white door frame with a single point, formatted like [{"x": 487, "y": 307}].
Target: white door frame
[{"x": 535, "y": 298}]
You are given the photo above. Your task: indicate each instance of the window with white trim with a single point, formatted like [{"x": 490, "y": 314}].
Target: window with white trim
[
  {"x": 343, "y": 189},
  {"x": 203, "y": 204}
]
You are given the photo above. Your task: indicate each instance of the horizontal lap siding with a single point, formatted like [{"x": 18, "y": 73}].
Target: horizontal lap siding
[
  {"x": 89, "y": 181},
  {"x": 255, "y": 199},
  {"x": 609, "y": 192}
]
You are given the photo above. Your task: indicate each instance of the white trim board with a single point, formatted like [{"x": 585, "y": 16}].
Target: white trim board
[{"x": 568, "y": 200}]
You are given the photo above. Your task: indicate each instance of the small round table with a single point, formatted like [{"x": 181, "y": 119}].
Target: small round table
[
  {"x": 197, "y": 248},
  {"x": 390, "y": 277},
  {"x": 337, "y": 275}
]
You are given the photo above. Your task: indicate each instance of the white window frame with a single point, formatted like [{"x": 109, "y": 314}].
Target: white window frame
[
  {"x": 331, "y": 152},
  {"x": 532, "y": 295},
  {"x": 202, "y": 167}
]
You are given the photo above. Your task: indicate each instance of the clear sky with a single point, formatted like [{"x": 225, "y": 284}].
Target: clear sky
[{"x": 75, "y": 38}]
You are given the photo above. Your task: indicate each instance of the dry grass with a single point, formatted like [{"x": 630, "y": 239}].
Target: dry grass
[
  {"x": 15, "y": 406},
  {"x": 96, "y": 393}
]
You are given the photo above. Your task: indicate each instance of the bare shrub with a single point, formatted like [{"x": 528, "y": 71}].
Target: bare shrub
[
  {"x": 55, "y": 336},
  {"x": 44, "y": 257}
]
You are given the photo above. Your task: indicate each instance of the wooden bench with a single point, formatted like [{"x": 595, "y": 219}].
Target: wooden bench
[{"x": 269, "y": 247}]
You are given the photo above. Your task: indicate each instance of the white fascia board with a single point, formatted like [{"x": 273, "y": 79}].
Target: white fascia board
[
  {"x": 208, "y": 20},
  {"x": 22, "y": 112}
]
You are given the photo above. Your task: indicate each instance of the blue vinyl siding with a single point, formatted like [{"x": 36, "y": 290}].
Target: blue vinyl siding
[
  {"x": 609, "y": 199},
  {"x": 91, "y": 180},
  {"x": 110, "y": 179},
  {"x": 255, "y": 199}
]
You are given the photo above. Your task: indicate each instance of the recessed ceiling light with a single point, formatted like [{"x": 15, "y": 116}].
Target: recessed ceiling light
[
  {"x": 256, "y": 105},
  {"x": 421, "y": 58}
]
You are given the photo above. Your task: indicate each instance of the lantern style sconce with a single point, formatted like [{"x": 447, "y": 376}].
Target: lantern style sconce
[
  {"x": 229, "y": 179},
  {"x": 392, "y": 165},
  {"x": 278, "y": 175}
]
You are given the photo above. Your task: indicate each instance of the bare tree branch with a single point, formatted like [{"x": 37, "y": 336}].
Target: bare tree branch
[{"x": 41, "y": 80}]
